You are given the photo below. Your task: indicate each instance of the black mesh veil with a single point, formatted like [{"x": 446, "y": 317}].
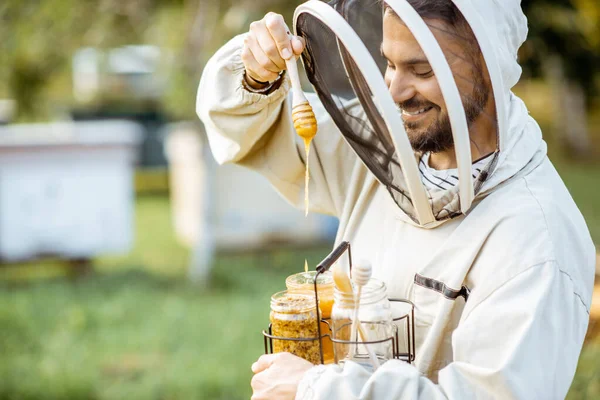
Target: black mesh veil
[{"x": 349, "y": 100}]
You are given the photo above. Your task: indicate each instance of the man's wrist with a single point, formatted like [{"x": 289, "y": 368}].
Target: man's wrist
[
  {"x": 254, "y": 86},
  {"x": 254, "y": 83}
]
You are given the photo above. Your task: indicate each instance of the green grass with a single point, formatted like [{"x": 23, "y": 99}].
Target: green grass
[
  {"x": 137, "y": 335},
  {"x": 586, "y": 385},
  {"x": 136, "y": 329}
]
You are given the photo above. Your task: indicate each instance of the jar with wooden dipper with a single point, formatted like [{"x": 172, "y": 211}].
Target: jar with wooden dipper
[
  {"x": 304, "y": 282},
  {"x": 294, "y": 316}
]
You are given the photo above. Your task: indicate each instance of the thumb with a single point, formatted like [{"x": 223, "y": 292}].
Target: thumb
[
  {"x": 263, "y": 362},
  {"x": 298, "y": 44}
]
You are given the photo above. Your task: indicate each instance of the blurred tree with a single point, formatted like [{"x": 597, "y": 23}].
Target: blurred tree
[
  {"x": 203, "y": 26},
  {"x": 40, "y": 37},
  {"x": 564, "y": 48}
]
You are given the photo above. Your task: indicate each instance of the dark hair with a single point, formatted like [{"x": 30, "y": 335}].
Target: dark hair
[
  {"x": 443, "y": 10},
  {"x": 447, "y": 12}
]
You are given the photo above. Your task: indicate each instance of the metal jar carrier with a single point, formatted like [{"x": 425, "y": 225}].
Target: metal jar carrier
[{"x": 325, "y": 265}]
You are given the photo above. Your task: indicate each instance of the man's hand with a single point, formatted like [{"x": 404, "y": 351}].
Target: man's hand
[
  {"x": 277, "y": 376},
  {"x": 266, "y": 47}
]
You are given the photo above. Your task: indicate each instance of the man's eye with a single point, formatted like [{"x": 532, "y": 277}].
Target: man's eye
[
  {"x": 390, "y": 65},
  {"x": 424, "y": 74}
]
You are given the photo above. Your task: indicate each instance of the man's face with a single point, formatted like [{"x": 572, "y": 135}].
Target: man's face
[{"x": 415, "y": 89}]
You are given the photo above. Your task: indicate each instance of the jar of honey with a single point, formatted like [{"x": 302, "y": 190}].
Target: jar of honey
[
  {"x": 294, "y": 316},
  {"x": 304, "y": 283}
]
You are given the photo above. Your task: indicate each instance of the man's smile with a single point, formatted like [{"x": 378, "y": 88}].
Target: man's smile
[{"x": 412, "y": 115}]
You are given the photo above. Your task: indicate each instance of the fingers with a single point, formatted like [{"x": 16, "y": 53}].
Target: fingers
[
  {"x": 254, "y": 68},
  {"x": 267, "y": 47},
  {"x": 256, "y": 384},
  {"x": 278, "y": 30},
  {"x": 266, "y": 61},
  {"x": 264, "y": 362},
  {"x": 261, "y": 384},
  {"x": 277, "y": 376},
  {"x": 263, "y": 387},
  {"x": 298, "y": 44}
]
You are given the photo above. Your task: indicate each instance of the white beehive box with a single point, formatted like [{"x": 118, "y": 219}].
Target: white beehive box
[
  {"x": 229, "y": 207},
  {"x": 237, "y": 206},
  {"x": 66, "y": 189}
]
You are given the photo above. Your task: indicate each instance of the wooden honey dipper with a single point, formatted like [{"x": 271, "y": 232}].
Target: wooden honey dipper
[{"x": 303, "y": 116}]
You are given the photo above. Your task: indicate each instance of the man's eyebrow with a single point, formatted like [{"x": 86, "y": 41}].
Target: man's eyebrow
[
  {"x": 411, "y": 61},
  {"x": 415, "y": 61}
]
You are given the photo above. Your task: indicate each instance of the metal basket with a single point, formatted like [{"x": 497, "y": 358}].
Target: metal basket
[{"x": 324, "y": 266}]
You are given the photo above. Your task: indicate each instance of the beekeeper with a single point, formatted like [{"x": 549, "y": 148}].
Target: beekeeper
[{"x": 503, "y": 291}]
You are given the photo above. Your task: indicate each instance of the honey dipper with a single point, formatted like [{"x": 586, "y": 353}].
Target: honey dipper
[
  {"x": 303, "y": 117},
  {"x": 343, "y": 284}
]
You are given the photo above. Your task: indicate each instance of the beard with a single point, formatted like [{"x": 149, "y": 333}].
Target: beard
[{"x": 437, "y": 137}]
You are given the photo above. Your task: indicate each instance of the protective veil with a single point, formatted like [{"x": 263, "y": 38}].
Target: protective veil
[{"x": 500, "y": 266}]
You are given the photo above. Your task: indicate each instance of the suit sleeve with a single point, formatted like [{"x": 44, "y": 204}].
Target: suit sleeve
[
  {"x": 256, "y": 131},
  {"x": 522, "y": 341}
]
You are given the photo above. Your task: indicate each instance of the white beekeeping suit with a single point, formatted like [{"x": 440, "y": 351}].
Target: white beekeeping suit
[{"x": 522, "y": 253}]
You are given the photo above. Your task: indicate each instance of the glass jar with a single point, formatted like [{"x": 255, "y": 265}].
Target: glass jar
[
  {"x": 375, "y": 314},
  {"x": 294, "y": 316},
  {"x": 304, "y": 282}
]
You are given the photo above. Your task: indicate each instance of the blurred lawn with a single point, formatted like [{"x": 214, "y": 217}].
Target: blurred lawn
[
  {"x": 137, "y": 330},
  {"x": 583, "y": 182}
]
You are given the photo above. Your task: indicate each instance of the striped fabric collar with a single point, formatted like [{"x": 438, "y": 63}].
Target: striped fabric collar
[{"x": 435, "y": 180}]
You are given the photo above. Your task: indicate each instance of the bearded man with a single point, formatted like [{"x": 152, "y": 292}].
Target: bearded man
[{"x": 503, "y": 291}]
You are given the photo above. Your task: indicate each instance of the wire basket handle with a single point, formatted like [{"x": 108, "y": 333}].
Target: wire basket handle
[
  {"x": 323, "y": 267},
  {"x": 326, "y": 264}
]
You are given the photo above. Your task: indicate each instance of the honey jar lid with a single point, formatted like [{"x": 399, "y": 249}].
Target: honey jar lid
[
  {"x": 303, "y": 279},
  {"x": 295, "y": 302}
]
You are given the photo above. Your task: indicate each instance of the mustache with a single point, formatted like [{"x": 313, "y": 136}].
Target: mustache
[{"x": 414, "y": 103}]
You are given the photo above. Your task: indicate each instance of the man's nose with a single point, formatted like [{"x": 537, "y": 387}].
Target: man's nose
[{"x": 401, "y": 88}]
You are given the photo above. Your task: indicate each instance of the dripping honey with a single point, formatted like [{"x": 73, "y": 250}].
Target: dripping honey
[{"x": 305, "y": 124}]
